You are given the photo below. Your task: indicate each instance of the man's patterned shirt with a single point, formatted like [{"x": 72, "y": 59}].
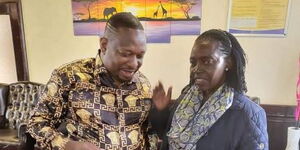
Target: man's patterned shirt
[{"x": 80, "y": 102}]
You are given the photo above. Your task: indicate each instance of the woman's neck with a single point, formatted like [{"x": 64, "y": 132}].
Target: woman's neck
[{"x": 209, "y": 92}]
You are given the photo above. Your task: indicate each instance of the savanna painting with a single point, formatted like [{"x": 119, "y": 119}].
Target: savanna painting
[{"x": 160, "y": 18}]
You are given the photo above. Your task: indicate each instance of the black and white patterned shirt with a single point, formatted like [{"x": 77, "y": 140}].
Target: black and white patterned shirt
[{"x": 81, "y": 103}]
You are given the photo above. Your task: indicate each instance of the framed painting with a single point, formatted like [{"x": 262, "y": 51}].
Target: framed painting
[{"x": 160, "y": 18}]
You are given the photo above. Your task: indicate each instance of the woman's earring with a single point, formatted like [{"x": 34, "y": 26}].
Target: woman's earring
[{"x": 226, "y": 69}]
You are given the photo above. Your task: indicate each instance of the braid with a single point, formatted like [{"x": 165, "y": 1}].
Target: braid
[
  {"x": 218, "y": 35},
  {"x": 124, "y": 19},
  {"x": 238, "y": 71}
]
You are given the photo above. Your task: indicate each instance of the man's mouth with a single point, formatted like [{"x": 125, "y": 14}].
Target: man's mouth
[
  {"x": 127, "y": 72},
  {"x": 199, "y": 81}
]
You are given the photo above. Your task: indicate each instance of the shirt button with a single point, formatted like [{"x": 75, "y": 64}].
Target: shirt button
[{"x": 261, "y": 146}]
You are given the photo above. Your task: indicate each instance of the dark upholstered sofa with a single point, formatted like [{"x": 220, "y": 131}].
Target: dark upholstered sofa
[{"x": 17, "y": 100}]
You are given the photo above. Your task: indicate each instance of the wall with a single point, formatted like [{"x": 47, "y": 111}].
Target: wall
[
  {"x": 7, "y": 62},
  {"x": 272, "y": 62}
]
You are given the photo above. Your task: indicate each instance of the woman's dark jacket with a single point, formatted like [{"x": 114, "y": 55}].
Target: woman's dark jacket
[{"x": 242, "y": 127}]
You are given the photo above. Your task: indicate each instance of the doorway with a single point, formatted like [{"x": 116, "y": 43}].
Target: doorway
[
  {"x": 11, "y": 13},
  {"x": 7, "y": 62}
]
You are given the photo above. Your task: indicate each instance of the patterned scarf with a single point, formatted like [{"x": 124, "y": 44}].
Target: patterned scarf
[{"x": 191, "y": 121}]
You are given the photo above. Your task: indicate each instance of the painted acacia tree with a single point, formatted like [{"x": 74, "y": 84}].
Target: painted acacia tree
[
  {"x": 185, "y": 6},
  {"x": 87, "y": 4}
]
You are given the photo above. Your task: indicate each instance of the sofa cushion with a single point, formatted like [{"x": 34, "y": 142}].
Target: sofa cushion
[{"x": 22, "y": 98}]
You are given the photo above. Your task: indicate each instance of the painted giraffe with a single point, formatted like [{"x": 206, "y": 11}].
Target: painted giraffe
[
  {"x": 155, "y": 13},
  {"x": 164, "y": 11}
]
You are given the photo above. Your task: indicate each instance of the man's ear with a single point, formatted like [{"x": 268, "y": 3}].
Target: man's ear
[{"x": 103, "y": 44}]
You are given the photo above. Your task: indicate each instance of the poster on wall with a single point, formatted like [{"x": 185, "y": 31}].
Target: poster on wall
[
  {"x": 160, "y": 18},
  {"x": 258, "y": 17}
]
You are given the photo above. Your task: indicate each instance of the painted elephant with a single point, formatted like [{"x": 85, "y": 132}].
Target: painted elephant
[{"x": 109, "y": 11}]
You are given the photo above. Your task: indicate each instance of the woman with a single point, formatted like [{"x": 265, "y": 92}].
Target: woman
[{"x": 212, "y": 112}]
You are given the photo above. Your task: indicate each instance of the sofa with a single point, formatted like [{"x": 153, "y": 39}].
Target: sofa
[{"x": 17, "y": 100}]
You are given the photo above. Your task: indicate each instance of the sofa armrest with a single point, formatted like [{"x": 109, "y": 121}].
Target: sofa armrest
[
  {"x": 22, "y": 132},
  {"x": 26, "y": 141}
]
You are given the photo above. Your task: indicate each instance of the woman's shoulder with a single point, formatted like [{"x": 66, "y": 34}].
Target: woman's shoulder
[{"x": 244, "y": 104}]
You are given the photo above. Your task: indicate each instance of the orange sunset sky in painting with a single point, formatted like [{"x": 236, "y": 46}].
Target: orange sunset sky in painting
[{"x": 140, "y": 8}]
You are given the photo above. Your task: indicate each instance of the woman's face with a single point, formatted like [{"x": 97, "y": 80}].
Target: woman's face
[{"x": 208, "y": 65}]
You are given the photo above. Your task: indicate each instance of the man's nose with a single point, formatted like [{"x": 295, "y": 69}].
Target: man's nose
[
  {"x": 197, "y": 68},
  {"x": 133, "y": 62}
]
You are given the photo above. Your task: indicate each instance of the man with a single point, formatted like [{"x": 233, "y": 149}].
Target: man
[{"x": 102, "y": 102}]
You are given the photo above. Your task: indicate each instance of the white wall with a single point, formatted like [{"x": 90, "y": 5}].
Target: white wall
[
  {"x": 272, "y": 66},
  {"x": 7, "y": 62}
]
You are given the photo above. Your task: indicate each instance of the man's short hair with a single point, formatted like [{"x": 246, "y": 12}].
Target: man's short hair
[{"x": 124, "y": 19}]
